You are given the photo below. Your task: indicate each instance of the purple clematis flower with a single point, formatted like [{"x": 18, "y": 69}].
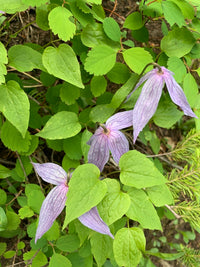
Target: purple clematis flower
[
  {"x": 147, "y": 102},
  {"x": 54, "y": 203},
  {"x": 108, "y": 138}
]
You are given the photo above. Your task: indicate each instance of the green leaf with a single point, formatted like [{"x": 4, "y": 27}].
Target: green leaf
[
  {"x": 84, "y": 146},
  {"x": 63, "y": 124},
  {"x": 69, "y": 93},
  {"x": 62, "y": 63},
  {"x": 141, "y": 35},
  {"x": 178, "y": 42},
  {"x": 97, "y": 2},
  {"x": 160, "y": 195},
  {"x": 3, "y": 197},
  {"x": 85, "y": 18},
  {"x": 166, "y": 256},
  {"x": 24, "y": 58},
  {"x": 4, "y": 172},
  {"x": 177, "y": 66},
  {"x": 25, "y": 212},
  {"x": 68, "y": 243},
  {"x": 3, "y": 219},
  {"x": 12, "y": 6},
  {"x": 115, "y": 203},
  {"x": 13, "y": 221},
  {"x": 119, "y": 73},
  {"x": 35, "y": 199},
  {"x": 9, "y": 254},
  {"x": 142, "y": 210},
  {"x": 98, "y": 85},
  {"x": 121, "y": 94},
  {"x": 3, "y": 60},
  {"x": 68, "y": 163},
  {"x": 112, "y": 29},
  {"x": 3, "y": 247},
  {"x": 94, "y": 35},
  {"x": 167, "y": 113},
  {"x": 137, "y": 58},
  {"x": 33, "y": 3},
  {"x": 134, "y": 21},
  {"x": 12, "y": 138},
  {"x": 72, "y": 147},
  {"x": 54, "y": 232},
  {"x": 126, "y": 252},
  {"x": 82, "y": 196},
  {"x": 60, "y": 23},
  {"x": 101, "y": 113},
  {"x": 186, "y": 8},
  {"x": 173, "y": 13},
  {"x": 42, "y": 13},
  {"x": 14, "y": 105},
  {"x": 139, "y": 171},
  {"x": 39, "y": 260},
  {"x": 101, "y": 247},
  {"x": 59, "y": 260},
  {"x": 190, "y": 89},
  {"x": 100, "y": 60}
]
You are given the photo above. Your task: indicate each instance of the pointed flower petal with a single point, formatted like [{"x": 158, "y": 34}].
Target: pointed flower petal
[
  {"x": 147, "y": 103},
  {"x": 118, "y": 145},
  {"x": 177, "y": 95},
  {"x": 52, "y": 206},
  {"x": 120, "y": 120},
  {"x": 142, "y": 79},
  {"x": 99, "y": 151},
  {"x": 92, "y": 220},
  {"x": 51, "y": 173}
]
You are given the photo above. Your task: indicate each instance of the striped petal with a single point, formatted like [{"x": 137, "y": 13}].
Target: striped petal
[
  {"x": 52, "y": 206},
  {"x": 120, "y": 120},
  {"x": 177, "y": 95},
  {"x": 118, "y": 145},
  {"x": 99, "y": 151},
  {"x": 51, "y": 173},
  {"x": 142, "y": 79},
  {"x": 147, "y": 103},
  {"x": 92, "y": 220}
]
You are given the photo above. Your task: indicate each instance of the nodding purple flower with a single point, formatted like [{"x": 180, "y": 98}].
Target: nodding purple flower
[
  {"x": 147, "y": 102},
  {"x": 54, "y": 203},
  {"x": 108, "y": 138}
]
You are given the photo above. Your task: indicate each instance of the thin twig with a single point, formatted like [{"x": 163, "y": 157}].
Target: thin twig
[
  {"x": 27, "y": 74},
  {"x": 38, "y": 178},
  {"x": 16, "y": 196},
  {"x": 114, "y": 8},
  {"x": 7, "y": 162},
  {"x": 22, "y": 166},
  {"x": 172, "y": 211},
  {"x": 33, "y": 86}
]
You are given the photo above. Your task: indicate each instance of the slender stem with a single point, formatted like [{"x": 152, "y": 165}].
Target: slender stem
[
  {"x": 16, "y": 196},
  {"x": 104, "y": 127},
  {"x": 53, "y": 41},
  {"x": 30, "y": 76},
  {"x": 8, "y": 21},
  {"x": 39, "y": 181},
  {"x": 114, "y": 8},
  {"x": 22, "y": 166},
  {"x": 16, "y": 33},
  {"x": 172, "y": 211}
]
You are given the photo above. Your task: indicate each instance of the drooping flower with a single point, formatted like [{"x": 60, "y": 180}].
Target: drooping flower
[
  {"x": 147, "y": 102},
  {"x": 108, "y": 138},
  {"x": 54, "y": 203}
]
